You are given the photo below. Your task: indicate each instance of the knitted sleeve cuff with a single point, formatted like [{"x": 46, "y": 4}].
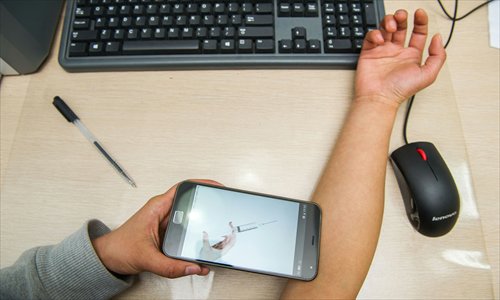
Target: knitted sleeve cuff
[{"x": 72, "y": 269}]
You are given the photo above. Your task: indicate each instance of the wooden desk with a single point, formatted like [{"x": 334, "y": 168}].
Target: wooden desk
[{"x": 264, "y": 130}]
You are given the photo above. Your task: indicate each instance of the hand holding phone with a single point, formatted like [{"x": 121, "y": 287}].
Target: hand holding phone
[
  {"x": 133, "y": 247},
  {"x": 244, "y": 230}
]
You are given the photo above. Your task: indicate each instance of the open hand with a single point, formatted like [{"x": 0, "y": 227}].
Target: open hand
[{"x": 388, "y": 71}]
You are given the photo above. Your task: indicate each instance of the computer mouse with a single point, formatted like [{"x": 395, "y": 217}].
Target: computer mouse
[{"x": 429, "y": 191}]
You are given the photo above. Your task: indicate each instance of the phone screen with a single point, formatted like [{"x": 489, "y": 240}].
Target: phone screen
[{"x": 244, "y": 230}]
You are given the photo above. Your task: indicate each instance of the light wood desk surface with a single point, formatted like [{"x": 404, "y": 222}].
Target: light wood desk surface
[{"x": 263, "y": 130}]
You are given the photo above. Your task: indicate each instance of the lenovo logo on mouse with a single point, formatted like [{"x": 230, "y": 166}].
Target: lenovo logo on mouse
[{"x": 444, "y": 217}]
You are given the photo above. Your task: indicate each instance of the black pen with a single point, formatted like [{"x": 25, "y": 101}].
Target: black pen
[{"x": 67, "y": 113}]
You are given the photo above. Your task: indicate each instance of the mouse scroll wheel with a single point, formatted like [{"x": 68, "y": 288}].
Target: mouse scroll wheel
[{"x": 422, "y": 154}]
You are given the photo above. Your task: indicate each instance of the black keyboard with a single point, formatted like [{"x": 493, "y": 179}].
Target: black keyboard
[{"x": 106, "y": 35}]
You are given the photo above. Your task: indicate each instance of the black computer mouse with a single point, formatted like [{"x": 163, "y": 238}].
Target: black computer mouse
[{"x": 429, "y": 192}]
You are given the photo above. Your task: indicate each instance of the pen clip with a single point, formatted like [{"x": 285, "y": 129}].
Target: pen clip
[{"x": 64, "y": 109}]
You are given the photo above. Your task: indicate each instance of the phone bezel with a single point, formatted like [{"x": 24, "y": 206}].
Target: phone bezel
[{"x": 313, "y": 231}]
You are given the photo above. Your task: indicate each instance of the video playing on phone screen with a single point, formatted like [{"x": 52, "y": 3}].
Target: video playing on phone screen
[{"x": 244, "y": 231}]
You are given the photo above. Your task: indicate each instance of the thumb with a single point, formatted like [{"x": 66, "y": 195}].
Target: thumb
[
  {"x": 435, "y": 60},
  {"x": 164, "y": 266}
]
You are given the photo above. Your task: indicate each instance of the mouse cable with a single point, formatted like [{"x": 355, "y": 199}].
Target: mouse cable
[
  {"x": 465, "y": 15},
  {"x": 453, "y": 19}
]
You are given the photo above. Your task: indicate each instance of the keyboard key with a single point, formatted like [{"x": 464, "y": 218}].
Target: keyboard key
[
  {"x": 343, "y": 20},
  {"x": 236, "y": 20},
  {"x": 358, "y": 32},
  {"x": 132, "y": 34},
  {"x": 126, "y": 21},
  {"x": 83, "y": 11},
  {"x": 113, "y": 22},
  {"x": 119, "y": 34},
  {"x": 370, "y": 15},
  {"x": 173, "y": 33},
  {"x": 151, "y": 9},
  {"x": 146, "y": 33},
  {"x": 210, "y": 46},
  {"x": 228, "y": 32},
  {"x": 311, "y": 9},
  {"x": 192, "y": 8},
  {"x": 111, "y": 10},
  {"x": 201, "y": 32},
  {"x": 161, "y": 47},
  {"x": 247, "y": 8},
  {"x": 165, "y": 9},
  {"x": 214, "y": 32},
  {"x": 245, "y": 46},
  {"x": 227, "y": 46},
  {"x": 205, "y": 8},
  {"x": 105, "y": 34},
  {"x": 358, "y": 44},
  {"x": 285, "y": 10},
  {"x": 77, "y": 49},
  {"x": 298, "y": 33},
  {"x": 330, "y": 32},
  {"x": 299, "y": 46},
  {"x": 298, "y": 9},
  {"x": 337, "y": 45},
  {"x": 259, "y": 20},
  {"x": 98, "y": 11},
  {"x": 95, "y": 48},
  {"x": 330, "y": 20},
  {"x": 328, "y": 8},
  {"x": 159, "y": 33},
  {"x": 138, "y": 10},
  {"x": 357, "y": 20},
  {"x": 314, "y": 46},
  {"x": 124, "y": 10},
  {"x": 81, "y": 24},
  {"x": 264, "y": 8},
  {"x": 84, "y": 35},
  {"x": 219, "y": 8},
  {"x": 178, "y": 9},
  {"x": 355, "y": 8},
  {"x": 344, "y": 32},
  {"x": 221, "y": 20},
  {"x": 264, "y": 46},
  {"x": 187, "y": 33},
  {"x": 342, "y": 8},
  {"x": 285, "y": 46},
  {"x": 112, "y": 47},
  {"x": 255, "y": 32},
  {"x": 233, "y": 7}
]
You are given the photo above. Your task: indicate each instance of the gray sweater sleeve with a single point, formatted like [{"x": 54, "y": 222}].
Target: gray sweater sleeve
[{"x": 68, "y": 270}]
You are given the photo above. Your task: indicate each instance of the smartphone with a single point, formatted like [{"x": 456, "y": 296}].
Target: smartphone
[{"x": 244, "y": 230}]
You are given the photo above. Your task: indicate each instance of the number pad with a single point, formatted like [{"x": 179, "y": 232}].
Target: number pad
[{"x": 345, "y": 24}]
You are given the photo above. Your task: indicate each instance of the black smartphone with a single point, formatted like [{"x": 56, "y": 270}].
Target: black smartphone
[{"x": 244, "y": 230}]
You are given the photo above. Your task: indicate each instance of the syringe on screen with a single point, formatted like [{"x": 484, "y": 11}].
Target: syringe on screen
[{"x": 252, "y": 226}]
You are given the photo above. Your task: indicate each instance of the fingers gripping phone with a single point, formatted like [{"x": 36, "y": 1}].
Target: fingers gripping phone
[{"x": 244, "y": 230}]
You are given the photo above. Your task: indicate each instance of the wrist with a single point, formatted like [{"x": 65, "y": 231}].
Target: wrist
[
  {"x": 379, "y": 102},
  {"x": 100, "y": 245},
  {"x": 384, "y": 107}
]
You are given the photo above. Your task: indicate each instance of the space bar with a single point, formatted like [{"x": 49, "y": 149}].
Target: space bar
[{"x": 161, "y": 47}]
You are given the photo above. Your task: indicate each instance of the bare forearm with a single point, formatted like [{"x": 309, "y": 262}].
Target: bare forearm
[{"x": 351, "y": 194}]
